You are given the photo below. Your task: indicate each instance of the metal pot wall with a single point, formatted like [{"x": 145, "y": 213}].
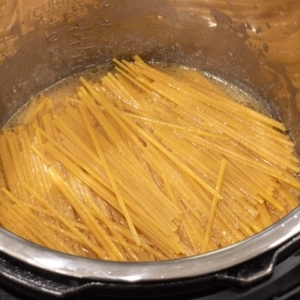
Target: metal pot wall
[{"x": 244, "y": 42}]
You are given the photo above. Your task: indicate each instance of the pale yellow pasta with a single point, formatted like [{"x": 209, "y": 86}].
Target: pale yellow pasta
[{"x": 144, "y": 164}]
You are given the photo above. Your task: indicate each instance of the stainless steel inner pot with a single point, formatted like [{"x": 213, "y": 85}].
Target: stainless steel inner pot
[{"x": 42, "y": 42}]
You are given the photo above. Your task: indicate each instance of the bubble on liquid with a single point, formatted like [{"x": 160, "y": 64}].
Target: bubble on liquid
[
  {"x": 60, "y": 91},
  {"x": 105, "y": 3},
  {"x": 106, "y": 23},
  {"x": 238, "y": 95},
  {"x": 265, "y": 47},
  {"x": 66, "y": 88}
]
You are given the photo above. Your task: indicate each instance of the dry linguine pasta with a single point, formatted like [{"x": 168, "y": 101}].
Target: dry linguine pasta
[{"x": 144, "y": 165}]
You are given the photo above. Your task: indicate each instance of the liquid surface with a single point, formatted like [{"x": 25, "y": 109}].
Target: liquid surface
[
  {"x": 66, "y": 89},
  {"x": 148, "y": 163}
]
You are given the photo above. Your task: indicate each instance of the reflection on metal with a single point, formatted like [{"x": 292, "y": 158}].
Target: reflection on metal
[
  {"x": 165, "y": 270},
  {"x": 47, "y": 40}
]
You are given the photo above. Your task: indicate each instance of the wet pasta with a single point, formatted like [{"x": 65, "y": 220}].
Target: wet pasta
[{"x": 144, "y": 164}]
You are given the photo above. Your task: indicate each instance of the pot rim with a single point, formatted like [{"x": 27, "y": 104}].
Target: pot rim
[{"x": 64, "y": 264}]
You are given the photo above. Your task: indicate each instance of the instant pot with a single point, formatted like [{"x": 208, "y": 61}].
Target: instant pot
[{"x": 252, "y": 44}]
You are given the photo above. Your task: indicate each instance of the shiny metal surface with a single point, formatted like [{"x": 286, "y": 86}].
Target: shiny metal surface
[
  {"x": 166, "y": 270},
  {"x": 251, "y": 43}
]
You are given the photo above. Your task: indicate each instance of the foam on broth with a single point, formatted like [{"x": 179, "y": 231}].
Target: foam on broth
[{"x": 66, "y": 88}]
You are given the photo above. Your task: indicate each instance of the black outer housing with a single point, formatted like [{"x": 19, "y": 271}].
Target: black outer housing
[
  {"x": 273, "y": 275},
  {"x": 176, "y": 37}
]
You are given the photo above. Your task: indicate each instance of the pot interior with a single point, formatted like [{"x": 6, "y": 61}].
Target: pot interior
[
  {"x": 65, "y": 38},
  {"x": 61, "y": 38}
]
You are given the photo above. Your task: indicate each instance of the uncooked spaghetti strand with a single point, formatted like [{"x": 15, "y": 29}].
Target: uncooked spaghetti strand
[
  {"x": 271, "y": 200},
  {"x": 165, "y": 201},
  {"x": 288, "y": 195},
  {"x": 115, "y": 114},
  {"x": 172, "y": 196},
  {"x": 133, "y": 80},
  {"x": 165, "y": 91},
  {"x": 198, "y": 81},
  {"x": 68, "y": 223},
  {"x": 145, "y": 244},
  {"x": 231, "y": 132},
  {"x": 37, "y": 228},
  {"x": 157, "y": 74},
  {"x": 246, "y": 161},
  {"x": 236, "y": 185},
  {"x": 36, "y": 111},
  {"x": 141, "y": 118},
  {"x": 88, "y": 219},
  {"x": 73, "y": 158},
  {"x": 168, "y": 246},
  {"x": 195, "y": 159},
  {"x": 181, "y": 185},
  {"x": 161, "y": 166},
  {"x": 213, "y": 209},
  {"x": 223, "y": 221},
  {"x": 12, "y": 221},
  {"x": 123, "y": 92},
  {"x": 175, "y": 126},
  {"x": 251, "y": 133},
  {"x": 153, "y": 197},
  {"x": 27, "y": 166},
  {"x": 75, "y": 124},
  {"x": 94, "y": 108},
  {"x": 49, "y": 129},
  {"x": 8, "y": 167},
  {"x": 276, "y": 135},
  {"x": 110, "y": 176},
  {"x": 137, "y": 94},
  {"x": 101, "y": 191},
  {"x": 38, "y": 209},
  {"x": 109, "y": 224},
  {"x": 264, "y": 215},
  {"x": 41, "y": 155},
  {"x": 2, "y": 179},
  {"x": 105, "y": 194},
  {"x": 16, "y": 161},
  {"x": 48, "y": 213},
  {"x": 125, "y": 67},
  {"x": 60, "y": 230},
  {"x": 242, "y": 223},
  {"x": 43, "y": 184}
]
